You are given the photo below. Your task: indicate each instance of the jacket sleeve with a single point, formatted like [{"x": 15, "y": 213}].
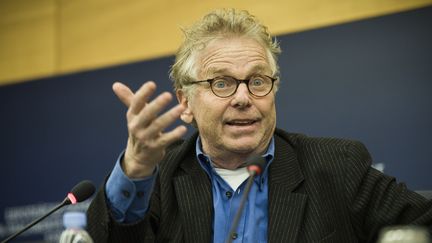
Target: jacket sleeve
[
  {"x": 103, "y": 227},
  {"x": 377, "y": 200}
]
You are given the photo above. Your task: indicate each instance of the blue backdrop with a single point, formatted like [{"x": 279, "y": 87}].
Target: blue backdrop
[{"x": 368, "y": 80}]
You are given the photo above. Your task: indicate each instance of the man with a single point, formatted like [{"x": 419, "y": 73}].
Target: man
[{"x": 167, "y": 190}]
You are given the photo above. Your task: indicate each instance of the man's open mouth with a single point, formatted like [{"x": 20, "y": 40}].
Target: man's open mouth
[{"x": 241, "y": 122}]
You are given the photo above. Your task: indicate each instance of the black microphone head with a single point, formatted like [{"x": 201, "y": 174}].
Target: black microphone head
[
  {"x": 256, "y": 164},
  {"x": 81, "y": 191}
]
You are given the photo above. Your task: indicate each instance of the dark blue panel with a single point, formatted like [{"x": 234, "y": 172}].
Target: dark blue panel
[
  {"x": 368, "y": 80},
  {"x": 57, "y": 131}
]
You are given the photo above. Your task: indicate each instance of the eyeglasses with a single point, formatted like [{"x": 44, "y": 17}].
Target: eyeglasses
[{"x": 225, "y": 86}]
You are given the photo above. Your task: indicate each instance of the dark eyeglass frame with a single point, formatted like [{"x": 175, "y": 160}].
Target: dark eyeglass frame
[{"x": 239, "y": 81}]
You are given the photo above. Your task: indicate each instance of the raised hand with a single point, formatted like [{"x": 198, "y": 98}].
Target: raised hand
[{"x": 147, "y": 140}]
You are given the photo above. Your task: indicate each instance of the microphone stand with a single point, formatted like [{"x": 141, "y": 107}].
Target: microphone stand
[
  {"x": 240, "y": 209},
  {"x": 65, "y": 202}
]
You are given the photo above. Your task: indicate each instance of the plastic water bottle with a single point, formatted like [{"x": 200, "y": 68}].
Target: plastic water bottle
[
  {"x": 404, "y": 234},
  {"x": 75, "y": 223}
]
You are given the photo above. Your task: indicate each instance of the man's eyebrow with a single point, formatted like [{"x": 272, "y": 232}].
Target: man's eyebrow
[
  {"x": 260, "y": 69},
  {"x": 214, "y": 71}
]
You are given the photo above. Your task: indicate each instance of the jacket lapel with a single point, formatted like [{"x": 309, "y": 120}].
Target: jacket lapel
[
  {"x": 193, "y": 192},
  {"x": 286, "y": 208}
]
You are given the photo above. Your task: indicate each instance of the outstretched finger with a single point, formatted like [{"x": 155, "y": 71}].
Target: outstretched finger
[
  {"x": 152, "y": 109},
  {"x": 141, "y": 97},
  {"x": 159, "y": 124},
  {"x": 169, "y": 137},
  {"x": 123, "y": 93}
]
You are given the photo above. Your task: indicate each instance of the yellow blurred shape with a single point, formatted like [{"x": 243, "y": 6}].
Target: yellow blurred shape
[{"x": 45, "y": 37}]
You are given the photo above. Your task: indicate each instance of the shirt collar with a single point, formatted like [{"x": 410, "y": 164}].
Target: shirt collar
[{"x": 207, "y": 165}]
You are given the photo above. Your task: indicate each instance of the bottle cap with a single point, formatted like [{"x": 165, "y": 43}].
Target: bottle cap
[{"x": 74, "y": 220}]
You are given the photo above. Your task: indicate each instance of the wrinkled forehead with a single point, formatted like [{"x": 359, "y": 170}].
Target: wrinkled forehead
[{"x": 234, "y": 55}]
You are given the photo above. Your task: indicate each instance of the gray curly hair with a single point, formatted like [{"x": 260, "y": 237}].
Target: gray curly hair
[{"x": 218, "y": 24}]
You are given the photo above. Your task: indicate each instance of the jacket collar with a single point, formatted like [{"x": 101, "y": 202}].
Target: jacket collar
[{"x": 286, "y": 208}]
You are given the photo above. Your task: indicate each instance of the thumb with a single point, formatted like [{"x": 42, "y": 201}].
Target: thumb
[{"x": 123, "y": 92}]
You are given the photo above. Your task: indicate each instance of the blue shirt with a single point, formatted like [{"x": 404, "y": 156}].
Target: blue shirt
[
  {"x": 133, "y": 202},
  {"x": 135, "y": 194}
]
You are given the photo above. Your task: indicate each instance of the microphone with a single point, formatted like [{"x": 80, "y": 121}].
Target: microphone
[
  {"x": 79, "y": 193},
  {"x": 255, "y": 165}
]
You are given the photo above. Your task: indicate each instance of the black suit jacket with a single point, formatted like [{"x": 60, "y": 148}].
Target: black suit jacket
[{"x": 320, "y": 190}]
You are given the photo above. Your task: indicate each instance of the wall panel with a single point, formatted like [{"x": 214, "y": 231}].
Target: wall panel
[
  {"x": 51, "y": 37},
  {"x": 27, "y": 39}
]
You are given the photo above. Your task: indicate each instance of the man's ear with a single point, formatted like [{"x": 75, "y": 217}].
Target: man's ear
[{"x": 187, "y": 115}]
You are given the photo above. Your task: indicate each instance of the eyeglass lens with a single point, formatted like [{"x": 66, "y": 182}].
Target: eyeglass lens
[{"x": 226, "y": 86}]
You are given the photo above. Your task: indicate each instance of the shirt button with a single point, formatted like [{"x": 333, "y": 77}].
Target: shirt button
[
  {"x": 140, "y": 194},
  {"x": 234, "y": 235},
  {"x": 126, "y": 193},
  {"x": 228, "y": 194}
]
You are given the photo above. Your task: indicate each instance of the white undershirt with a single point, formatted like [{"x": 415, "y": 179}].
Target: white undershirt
[{"x": 234, "y": 178}]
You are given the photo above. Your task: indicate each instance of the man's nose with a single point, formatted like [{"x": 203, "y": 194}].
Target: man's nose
[{"x": 242, "y": 97}]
